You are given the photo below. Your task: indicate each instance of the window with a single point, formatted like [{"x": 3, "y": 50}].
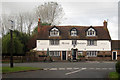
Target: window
[
  {"x": 92, "y": 42},
  {"x": 80, "y": 53},
  {"x": 54, "y": 32},
  {"x": 91, "y": 32},
  {"x": 74, "y": 42},
  {"x": 54, "y": 42},
  {"x": 92, "y": 53},
  {"x": 73, "y": 32},
  {"x": 54, "y": 53}
]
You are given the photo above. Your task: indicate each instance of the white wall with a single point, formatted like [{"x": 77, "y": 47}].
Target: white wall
[{"x": 102, "y": 45}]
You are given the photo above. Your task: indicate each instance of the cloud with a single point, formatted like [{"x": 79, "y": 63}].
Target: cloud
[{"x": 77, "y": 12}]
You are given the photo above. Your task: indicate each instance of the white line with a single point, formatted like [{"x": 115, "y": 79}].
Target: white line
[
  {"x": 46, "y": 68},
  {"x": 53, "y": 69},
  {"x": 61, "y": 68},
  {"x": 104, "y": 68},
  {"x": 84, "y": 68},
  {"x": 69, "y": 68},
  {"x": 110, "y": 68},
  {"x": 75, "y": 71}
]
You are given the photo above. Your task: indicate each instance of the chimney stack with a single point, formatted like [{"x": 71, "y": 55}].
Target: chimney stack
[
  {"x": 39, "y": 25},
  {"x": 105, "y": 23}
]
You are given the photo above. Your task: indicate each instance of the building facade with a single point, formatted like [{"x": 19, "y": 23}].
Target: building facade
[
  {"x": 115, "y": 49},
  {"x": 74, "y": 42}
]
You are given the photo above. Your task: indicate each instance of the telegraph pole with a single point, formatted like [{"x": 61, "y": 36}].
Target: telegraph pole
[{"x": 11, "y": 53}]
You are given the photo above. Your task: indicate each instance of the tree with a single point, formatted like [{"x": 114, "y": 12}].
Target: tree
[
  {"x": 6, "y": 44},
  {"x": 24, "y": 38},
  {"x": 20, "y": 41},
  {"x": 4, "y": 24},
  {"x": 24, "y": 21},
  {"x": 29, "y": 21},
  {"x": 50, "y": 13},
  {"x": 36, "y": 28}
]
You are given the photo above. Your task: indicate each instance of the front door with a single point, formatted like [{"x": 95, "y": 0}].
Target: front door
[
  {"x": 74, "y": 54},
  {"x": 63, "y": 55},
  {"x": 114, "y": 55}
]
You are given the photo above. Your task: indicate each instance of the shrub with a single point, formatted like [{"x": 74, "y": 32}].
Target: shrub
[{"x": 117, "y": 66}]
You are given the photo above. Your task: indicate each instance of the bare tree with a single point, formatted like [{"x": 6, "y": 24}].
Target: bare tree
[
  {"x": 29, "y": 21},
  {"x": 24, "y": 21},
  {"x": 20, "y": 21},
  {"x": 5, "y": 24},
  {"x": 50, "y": 12}
]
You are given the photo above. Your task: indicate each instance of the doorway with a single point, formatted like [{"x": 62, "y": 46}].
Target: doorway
[
  {"x": 63, "y": 55},
  {"x": 114, "y": 55},
  {"x": 74, "y": 54}
]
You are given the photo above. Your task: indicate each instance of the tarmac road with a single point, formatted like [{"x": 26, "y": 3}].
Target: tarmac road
[{"x": 65, "y": 70}]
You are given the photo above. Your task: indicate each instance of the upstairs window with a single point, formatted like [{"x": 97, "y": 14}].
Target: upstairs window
[
  {"x": 54, "y": 42},
  {"x": 74, "y": 42},
  {"x": 73, "y": 32},
  {"x": 91, "y": 32},
  {"x": 92, "y": 42},
  {"x": 54, "y": 32}
]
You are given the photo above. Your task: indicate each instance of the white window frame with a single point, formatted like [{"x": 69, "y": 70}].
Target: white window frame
[
  {"x": 92, "y": 42},
  {"x": 91, "y": 32},
  {"x": 73, "y": 32},
  {"x": 54, "y": 32},
  {"x": 80, "y": 53},
  {"x": 54, "y": 42},
  {"x": 92, "y": 53},
  {"x": 54, "y": 53}
]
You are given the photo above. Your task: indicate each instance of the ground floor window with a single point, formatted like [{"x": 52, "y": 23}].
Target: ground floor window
[
  {"x": 92, "y": 53},
  {"x": 54, "y": 53},
  {"x": 80, "y": 53}
]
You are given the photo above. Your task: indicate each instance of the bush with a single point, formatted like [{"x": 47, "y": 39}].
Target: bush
[{"x": 117, "y": 66}]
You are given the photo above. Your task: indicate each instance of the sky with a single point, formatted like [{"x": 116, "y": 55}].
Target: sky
[{"x": 77, "y": 12}]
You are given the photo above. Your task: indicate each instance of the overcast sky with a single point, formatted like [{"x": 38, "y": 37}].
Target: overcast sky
[{"x": 77, "y": 12}]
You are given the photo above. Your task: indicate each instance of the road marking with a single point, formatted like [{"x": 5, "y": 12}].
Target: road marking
[
  {"x": 61, "y": 68},
  {"x": 104, "y": 68},
  {"x": 110, "y": 68},
  {"x": 75, "y": 71},
  {"x": 53, "y": 69},
  {"x": 46, "y": 68},
  {"x": 75, "y": 68},
  {"x": 69, "y": 68}
]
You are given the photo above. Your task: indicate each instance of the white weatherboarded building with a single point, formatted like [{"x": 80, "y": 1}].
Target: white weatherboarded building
[{"x": 74, "y": 42}]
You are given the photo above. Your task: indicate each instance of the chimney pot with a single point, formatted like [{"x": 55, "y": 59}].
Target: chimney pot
[
  {"x": 39, "y": 20},
  {"x": 105, "y": 23},
  {"x": 39, "y": 25}
]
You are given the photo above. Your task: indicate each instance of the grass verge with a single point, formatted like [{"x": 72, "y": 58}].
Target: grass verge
[
  {"x": 17, "y": 69},
  {"x": 114, "y": 75}
]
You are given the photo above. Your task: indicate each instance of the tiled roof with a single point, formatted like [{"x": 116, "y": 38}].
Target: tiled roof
[
  {"x": 116, "y": 44},
  {"x": 102, "y": 33}
]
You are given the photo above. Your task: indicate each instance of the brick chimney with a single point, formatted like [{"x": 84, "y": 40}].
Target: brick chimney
[
  {"x": 105, "y": 23},
  {"x": 39, "y": 25}
]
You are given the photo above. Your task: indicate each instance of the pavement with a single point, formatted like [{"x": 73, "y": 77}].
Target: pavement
[{"x": 65, "y": 70}]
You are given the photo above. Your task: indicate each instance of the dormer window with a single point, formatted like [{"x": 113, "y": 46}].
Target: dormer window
[
  {"x": 54, "y": 32},
  {"x": 73, "y": 32},
  {"x": 91, "y": 32}
]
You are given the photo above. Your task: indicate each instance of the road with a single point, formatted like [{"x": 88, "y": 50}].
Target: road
[{"x": 65, "y": 70}]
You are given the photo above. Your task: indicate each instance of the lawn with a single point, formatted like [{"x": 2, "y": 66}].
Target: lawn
[
  {"x": 16, "y": 69},
  {"x": 114, "y": 75}
]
